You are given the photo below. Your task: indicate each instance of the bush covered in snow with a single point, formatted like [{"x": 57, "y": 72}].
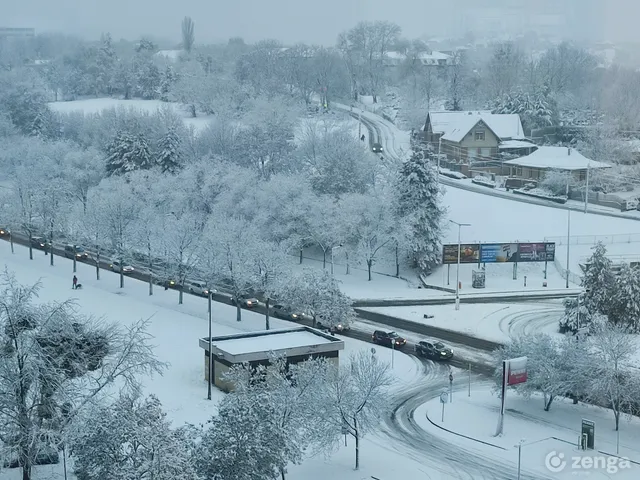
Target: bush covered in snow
[
  {"x": 541, "y": 193},
  {"x": 484, "y": 181}
]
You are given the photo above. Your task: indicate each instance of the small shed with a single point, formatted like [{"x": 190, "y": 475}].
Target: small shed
[
  {"x": 297, "y": 344},
  {"x": 535, "y": 165}
]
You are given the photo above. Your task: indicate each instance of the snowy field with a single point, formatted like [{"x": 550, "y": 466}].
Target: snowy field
[
  {"x": 495, "y": 322},
  {"x": 176, "y": 330},
  {"x": 542, "y": 432},
  {"x": 96, "y": 105}
]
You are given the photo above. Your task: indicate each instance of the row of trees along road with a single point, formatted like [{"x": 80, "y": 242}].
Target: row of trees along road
[{"x": 599, "y": 369}]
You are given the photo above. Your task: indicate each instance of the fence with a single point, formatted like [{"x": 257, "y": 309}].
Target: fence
[
  {"x": 593, "y": 239},
  {"x": 573, "y": 278}
]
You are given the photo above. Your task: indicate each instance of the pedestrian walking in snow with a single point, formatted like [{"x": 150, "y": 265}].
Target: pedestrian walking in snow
[{"x": 75, "y": 282}]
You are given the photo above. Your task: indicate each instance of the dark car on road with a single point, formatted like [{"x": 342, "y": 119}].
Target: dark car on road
[
  {"x": 434, "y": 350},
  {"x": 40, "y": 243},
  {"x": 245, "y": 301},
  {"x": 376, "y": 148},
  {"x": 77, "y": 250},
  {"x": 388, "y": 339},
  {"x": 4, "y": 231}
]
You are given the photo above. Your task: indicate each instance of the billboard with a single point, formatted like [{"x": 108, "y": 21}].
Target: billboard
[
  {"x": 498, "y": 252},
  {"x": 469, "y": 253},
  {"x": 516, "y": 371},
  {"x": 536, "y": 252}
]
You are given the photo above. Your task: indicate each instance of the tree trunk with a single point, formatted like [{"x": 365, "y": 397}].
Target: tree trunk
[
  {"x": 26, "y": 469},
  {"x": 192, "y": 108},
  {"x": 150, "y": 270},
  {"x": 267, "y": 315},
  {"x": 301, "y": 256},
  {"x": 547, "y": 404},
  {"x": 357, "y": 437},
  {"x": 121, "y": 273},
  {"x": 51, "y": 247},
  {"x": 346, "y": 255},
  {"x": 11, "y": 241},
  {"x": 313, "y": 321},
  {"x": 324, "y": 259},
  {"x": 397, "y": 263},
  {"x": 282, "y": 474},
  {"x": 369, "y": 264},
  {"x": 616, "y": 413},
  {"x": 238, "y": 310},
  {"x": 180, "y": 294}
]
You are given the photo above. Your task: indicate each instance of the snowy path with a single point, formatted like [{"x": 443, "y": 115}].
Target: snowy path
[{"x": 397, "y": 146}]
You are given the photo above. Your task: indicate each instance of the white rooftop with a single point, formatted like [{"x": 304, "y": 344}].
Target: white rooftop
[
  {"x": 455, "y": 125},
  {"x": 273, "y": 342},
  {"x": 516, "y": 144},
  {"x": 556, "y": 158}
]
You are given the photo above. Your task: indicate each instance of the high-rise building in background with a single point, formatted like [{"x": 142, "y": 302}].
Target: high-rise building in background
[{"x": 6, "y": 32}]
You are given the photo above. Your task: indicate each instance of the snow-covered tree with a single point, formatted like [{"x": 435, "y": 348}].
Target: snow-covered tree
[
  {"x": 83, "y": 169},
  {"x": 131, "y": 438},
  {"x": 372, "y": 226},
  {"x": 624, "y": 302},
  {"x": 504, "y": 69},
  {"x": 119, "y": 211},
  {"x": 55, "y": 362},
  {"x": 419, "y": 202},
  {"x": 598, "y": 281},
  {"x": 576, "y": 315},
  {"x": 612, "y": 370},
  {"x": 187, "y": 89},
  {"x": 127, "y": 153},
  {"x": 536, "y": 109},
  {"x": 318, "y": 293},
  {"x": 557, "y": 182},
  {"x": 324, "y": 228},
  {"x": 359, "y": 397},
  {"x": 183, "y": 241},
  {"x": 170, "y": 151}
]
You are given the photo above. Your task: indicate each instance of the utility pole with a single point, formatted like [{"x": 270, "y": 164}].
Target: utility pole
[
  {"x": 568, "y": 237},
  {"x": 586, "y": 191},
  {"x": 439, "y": 149},
  {"x": 460, "y": 225},
  {"x": 210, "y": 351}
]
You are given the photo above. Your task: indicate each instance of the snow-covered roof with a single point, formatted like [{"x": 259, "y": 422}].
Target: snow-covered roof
[
  {"x": 256, "y": 346},
  {"x": 507, "y": 144},
  {"x": 455, "y": 125},
  {"x": 558, "y": 158},
  {"x": 425, "y": 58}
]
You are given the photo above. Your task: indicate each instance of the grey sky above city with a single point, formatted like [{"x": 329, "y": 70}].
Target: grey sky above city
[{"x": 320, "y": 21}]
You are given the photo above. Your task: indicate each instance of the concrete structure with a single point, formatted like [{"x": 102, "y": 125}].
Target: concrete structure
[
  {"x": 473, "y": 139},
  {"x": 297, "y": 344},
  {"x": 535, "y": 165}
]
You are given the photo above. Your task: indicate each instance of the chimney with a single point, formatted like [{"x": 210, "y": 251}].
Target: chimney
[{"x": 568, "y": 150}]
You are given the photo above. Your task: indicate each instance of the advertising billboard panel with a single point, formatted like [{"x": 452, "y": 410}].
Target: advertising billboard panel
[
  {"x": 536, "y": 252},
  {"x": 516, "y": 371},
  {"x": 469, "y": 253},
  {"x": 498, "y": 252}
]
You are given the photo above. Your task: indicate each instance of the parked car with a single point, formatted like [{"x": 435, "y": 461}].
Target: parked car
[
  {"x": 77, "y": 250},
  {"x": 4, "y": 231},
  {"x": 376, "y": 148},
  {"x": 199, "y": 288},
  {"x": 116, "y": 267},
  {"x": 433, "y": 350},
  {"x": 40, "y": 243},
  {"x": 388, "y": 339},
  {"x": 245, "y": 301},
  {"x": 286, "y": 313}
]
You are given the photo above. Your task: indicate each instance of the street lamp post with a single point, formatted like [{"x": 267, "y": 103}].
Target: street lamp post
[
  {"x": 332, "y": 249},
  {"x": 210, "y": 351},
  {"x": 439, "y": 149},
  {"x": 519, "y": 456},
  {"x": 568, "y": 236},
  {"x": 460, "y": 225}
]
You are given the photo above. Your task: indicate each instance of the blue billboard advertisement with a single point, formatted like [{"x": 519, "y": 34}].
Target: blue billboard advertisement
[{"x": 498, "y": 252}]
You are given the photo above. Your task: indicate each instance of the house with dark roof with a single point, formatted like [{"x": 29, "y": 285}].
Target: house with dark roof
[{"x": 475, "y": 140}]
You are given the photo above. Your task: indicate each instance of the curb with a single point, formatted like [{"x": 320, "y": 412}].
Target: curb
[{"x": 463, "y": 436}]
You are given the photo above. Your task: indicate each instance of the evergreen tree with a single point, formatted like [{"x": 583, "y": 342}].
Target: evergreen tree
[
  {"x": 598, "y": 281},
  {"x": 418, "y": 201},
  {"x": 105, "y": 66},
  {"x": 624, "y": 307},
  {"x": 167, "y": 79},
  {"x": 170, "y": 151},
  {"x": 535, "y": 109},
  {"x": 128, "y": 152}
]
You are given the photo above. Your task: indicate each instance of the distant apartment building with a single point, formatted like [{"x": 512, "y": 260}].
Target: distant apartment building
[{"x": 10, "y": 32}]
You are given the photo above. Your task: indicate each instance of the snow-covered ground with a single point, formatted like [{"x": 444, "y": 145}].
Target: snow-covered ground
[
  {"x": 542, "y": 433},
  {"x": 97, "y": 105},
  {"x": 495, "y": 322},
  {"x": 176, "y": 330}
]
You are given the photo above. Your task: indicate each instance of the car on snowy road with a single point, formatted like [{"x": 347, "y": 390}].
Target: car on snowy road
[
  {"x": 40, "y": 243},
  {"x": 433, "y": 350},
  {"x": 286, "y": 313},
  {"x": 77, "y": 250},
  {"x": 116, "y": 267},
  {"x": 4, "y": 231},
  {"x": 376, "y": 148},
  {"x": 245, "y": 301},
  {"x": 388, "y": 339}
]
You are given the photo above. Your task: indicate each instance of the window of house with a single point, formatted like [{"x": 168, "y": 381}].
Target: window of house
[
  {"x": 479, "y": 134},
  {"x": 472, "y": 153},
  {"x": 485, "y": 152}
]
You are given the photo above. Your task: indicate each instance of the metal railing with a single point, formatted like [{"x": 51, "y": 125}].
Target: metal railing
[{"x": 593, "y": 239}]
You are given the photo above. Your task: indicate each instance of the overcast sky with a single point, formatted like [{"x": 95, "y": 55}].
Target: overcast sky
[{"x": 311, "y": 21}]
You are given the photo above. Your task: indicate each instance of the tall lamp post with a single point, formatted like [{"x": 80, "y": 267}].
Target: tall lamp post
[
  {"x": 210, "y": 350},
  {"x": 460, "y": 225},
  {"x": 439, "y": 149},
  {"x": 568, "y": 236},
  {"x": 332, "y": 249}
]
